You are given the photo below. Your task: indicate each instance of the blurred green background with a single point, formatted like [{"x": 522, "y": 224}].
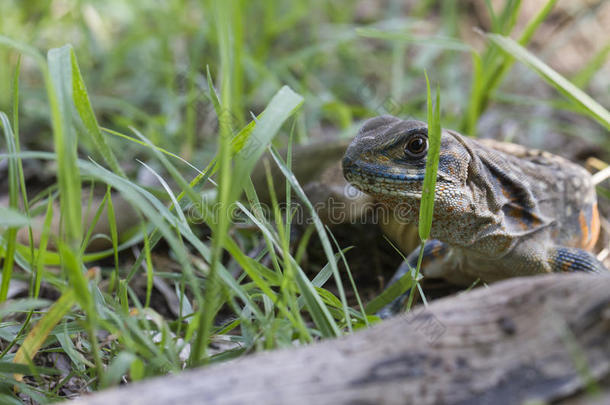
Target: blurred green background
[{"x": 144, "y": 63}]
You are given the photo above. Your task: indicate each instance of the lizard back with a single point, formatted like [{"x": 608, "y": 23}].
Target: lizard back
[{"x": 561, "y": 190}]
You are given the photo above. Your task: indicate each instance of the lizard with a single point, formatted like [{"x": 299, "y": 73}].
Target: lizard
[{"x": 500, "y": 210}]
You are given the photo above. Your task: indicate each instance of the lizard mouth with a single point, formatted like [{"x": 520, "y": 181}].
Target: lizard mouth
[{"x": 379, "y": 180}]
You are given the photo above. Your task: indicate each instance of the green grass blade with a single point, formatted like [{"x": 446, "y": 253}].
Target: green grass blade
[
  {"x": 60, "y": 72},
  {"x": 11, "y": 218},
  {"x": 13, "y": 191},
  {"x": 168, "y": 190},
  {"x": 43, "y": 328},
  {"x": 351, "y": 280},
  {"x": 85, "y": 111},
  {"x": 283, "y": 104},
  {"x": 94, "y": 221},
  {"x": 77, "y": 278},
  {"x": 25, "y": 49},
  {"x": 564, "y": 86},
  {"x": 114, "y": 234},
  {"x": 39, "y": 262},
  {"x": 150, "y": 272},
  {"x": 434, "y": 144},
  {"x": 392, "y": 292},
  {"x": 509, "y": 15},
  {"x": 9, "y": 400},
  {"x": 317, "y": 309},
  {"x": 533, "y": 25},
  {"x": 212, "y": 92},
  {"x": 426, "y": 207},
  {"x": 22, "y": 305},
  {"x": 152, "y": 146},
  {"x": 495, "y": 25},
  {"x": 24, "y": 194}
]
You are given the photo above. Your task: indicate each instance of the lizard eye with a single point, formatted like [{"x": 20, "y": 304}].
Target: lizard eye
[{"x": 416, "y": 146}]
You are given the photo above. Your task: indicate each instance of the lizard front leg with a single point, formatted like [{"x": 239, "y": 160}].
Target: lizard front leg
[
  {"x": 433, "y": 261},
  {"x": 440, "y": 260},
  {"x": 568, "y": 259}
]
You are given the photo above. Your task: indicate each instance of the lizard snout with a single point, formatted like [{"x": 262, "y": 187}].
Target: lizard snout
[
  {"x": 348, "y": 164},
  {"x": 347, "y": 161}
]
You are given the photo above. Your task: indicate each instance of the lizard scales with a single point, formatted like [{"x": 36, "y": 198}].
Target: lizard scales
[{"x": 501, "y": 210}]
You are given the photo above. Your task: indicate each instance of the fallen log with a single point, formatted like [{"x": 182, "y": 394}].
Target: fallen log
[{"x": 541, "y": 338}]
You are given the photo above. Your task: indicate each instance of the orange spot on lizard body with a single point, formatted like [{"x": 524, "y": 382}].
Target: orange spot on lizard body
[
  {"x": 506, "y": 193},
  {"x": 589, "y": 228},
  {"x": 584, "y": 229},
  {"x": 593, "y": 229},
  {"x": 518, "y": 215},
  {"x": 521, "y": 221}
]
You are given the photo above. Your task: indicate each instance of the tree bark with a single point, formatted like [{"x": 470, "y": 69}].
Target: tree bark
[{"x": 536, "y": 338}]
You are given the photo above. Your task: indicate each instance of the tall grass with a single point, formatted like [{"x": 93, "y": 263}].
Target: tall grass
[{"x": 173, "y": 227}]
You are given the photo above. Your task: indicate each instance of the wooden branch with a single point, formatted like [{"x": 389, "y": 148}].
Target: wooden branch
[{"x": 525, "y": 338}]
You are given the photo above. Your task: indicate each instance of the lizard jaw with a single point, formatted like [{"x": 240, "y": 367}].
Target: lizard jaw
[{"x": 378, "y": 183}]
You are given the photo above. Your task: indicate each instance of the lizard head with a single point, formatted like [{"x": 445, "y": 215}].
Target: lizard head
[{"x": 387, "y": 160}]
